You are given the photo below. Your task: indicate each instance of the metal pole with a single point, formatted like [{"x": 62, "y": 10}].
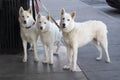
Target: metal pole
[{"x": 33, "y": 8}]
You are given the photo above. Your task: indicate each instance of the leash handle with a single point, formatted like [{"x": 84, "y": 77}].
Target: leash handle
[{"x": 46, "y": 10}]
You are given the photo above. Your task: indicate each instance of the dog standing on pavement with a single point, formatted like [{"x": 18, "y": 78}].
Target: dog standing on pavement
[
  {"x": 49, "y": 35},
  {"x": 28, "y": 31},
  {"x": 78, "y": 34}
]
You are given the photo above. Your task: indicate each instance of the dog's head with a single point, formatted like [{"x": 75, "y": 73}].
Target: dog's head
[
  {"x": 26, "y": 17},
  {"x": 43, "y": 22},
  {"x": 67, "y": 21}
]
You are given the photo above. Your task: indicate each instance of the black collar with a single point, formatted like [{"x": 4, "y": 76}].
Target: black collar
[{"x": 30, "y": 26}]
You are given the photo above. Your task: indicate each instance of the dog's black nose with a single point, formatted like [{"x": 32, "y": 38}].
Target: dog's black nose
[
  {"x": 63, "y": 25},
  {"x": 41, "y": 28},
  {"x": 24, "y": 22}
]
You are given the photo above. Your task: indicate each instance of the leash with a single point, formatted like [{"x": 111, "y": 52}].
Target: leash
[
  {"x": 46, "y": 10},
  {"x": 36, "y": 6}
]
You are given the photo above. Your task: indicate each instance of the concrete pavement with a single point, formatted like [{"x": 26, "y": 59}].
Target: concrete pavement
[
  {"x": 94, "y": 70},
  {"x": 11, "y": 68}
]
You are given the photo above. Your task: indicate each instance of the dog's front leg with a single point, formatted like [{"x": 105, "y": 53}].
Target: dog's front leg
[
  {"x": 69, "y": 59},
  {"x": 35, "y": 52},
  {"x": 51, "y": 54},
  {"x": 45, "y": 59},
  {"x": 75, "y": 52},
  {"x": 25, "y": 51}
]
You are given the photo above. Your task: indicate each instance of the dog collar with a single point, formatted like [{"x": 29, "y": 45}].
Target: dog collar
[{"x": 30, "y": 26}]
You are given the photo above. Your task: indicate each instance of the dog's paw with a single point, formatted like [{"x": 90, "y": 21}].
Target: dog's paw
[
  {"x": 108, "y": 61},
  {"x": 56, "y": 53},
  {"x": 98, "y": 58},
  {"x": 24, "y": 60},
  {"x": 31, "y": 49},
  {"x": 36, "y": 59},
  {"x": 66, "y": 67},
  {"x": 73, "y": 69},
  {"x": 51, "y": 62},
  {"x": 44, "y": 61}
]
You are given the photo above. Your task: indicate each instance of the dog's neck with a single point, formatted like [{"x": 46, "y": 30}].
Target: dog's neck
[
  {"x": 30, "y": 26},
  {"x": 73, "y": 29}
]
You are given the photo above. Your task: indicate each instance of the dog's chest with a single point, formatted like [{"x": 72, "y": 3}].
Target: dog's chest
[
  {"x": 69, "y": 39},
  {"x": 28, "y": 35},
  {"x": 47, "y": 37}
]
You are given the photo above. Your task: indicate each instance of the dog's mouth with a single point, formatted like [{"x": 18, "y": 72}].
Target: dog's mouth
[{"x": 28, "y": 27}]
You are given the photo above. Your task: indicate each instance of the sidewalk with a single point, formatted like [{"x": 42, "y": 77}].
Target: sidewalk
[
  {"x": 13, "y": 69},
  {"x": 92, "y": 2},
  {"x": 92, "y": 69}
]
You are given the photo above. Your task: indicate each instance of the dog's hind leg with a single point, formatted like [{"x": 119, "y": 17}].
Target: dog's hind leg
[
  {"x": 31, "y": 47},
  {"x": 51, "y": 54},
  {"x": 58, "y": 47},
  {"x": 36, "y": 58},
  {"x": 97, "y": 45},
  {"x": 104, "y": 43},
  {"x": 25, "y": 51}
]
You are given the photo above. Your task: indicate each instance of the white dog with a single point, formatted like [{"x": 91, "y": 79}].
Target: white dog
[
  {"x": 77, "y": 34},
  {"x": 28, "y": 31},
  {"x": 49, "y": 34}
]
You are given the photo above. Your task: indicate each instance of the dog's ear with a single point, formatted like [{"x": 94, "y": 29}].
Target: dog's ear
[
  {"x": 21, "y": 10},
  {"x": 38, "y": 16},
  {"x": 30, "y": 10},
  {"x": 48, "y": 17},
  {"x": 73, "y": 14},
  {"x": 62, "y": 11}
]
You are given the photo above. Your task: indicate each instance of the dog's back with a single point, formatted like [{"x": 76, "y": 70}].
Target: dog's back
[
  {"x": 89, "y": 30},
  {"x": 94, "y": 25}
]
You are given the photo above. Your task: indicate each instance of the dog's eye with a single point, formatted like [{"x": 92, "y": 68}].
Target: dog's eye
[
  {"x": 27, "y": 16},
  {"x": 23, "y": 16},
  {"x": 44, "y": 22},
  {"x": 40, "y": 22},
  {"x": 68, "y": 19}
]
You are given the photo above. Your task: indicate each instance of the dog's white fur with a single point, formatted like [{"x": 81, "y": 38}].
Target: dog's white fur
[
  {"x": 49, "y": 34},
  {"x": 28, "y": 31},
  {"x": 78, "y": 34}
]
